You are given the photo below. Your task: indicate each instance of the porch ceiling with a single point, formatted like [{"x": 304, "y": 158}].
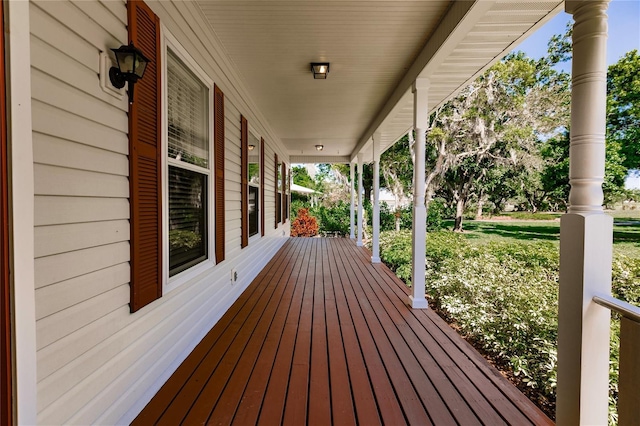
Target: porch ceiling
[{"x": 376, "y": 49}]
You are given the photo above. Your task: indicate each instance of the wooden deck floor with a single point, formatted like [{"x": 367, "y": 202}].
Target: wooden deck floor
[{"x": 322, "y": 336}]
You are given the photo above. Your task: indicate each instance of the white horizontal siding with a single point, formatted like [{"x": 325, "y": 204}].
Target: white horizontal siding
[
  {"x": 64, "y": 266},
  {"x": 57, "y": 239},
  {"x": 52, "y": 121},
  {"x": 51, "y": 91},
  {"x": 97, "y": 362},
  {"x": 59, "y": 152},
  {"x": 57, "y": 297},
  {"x": 52, "y": 210},
  {"x": 61, "y": 181}
]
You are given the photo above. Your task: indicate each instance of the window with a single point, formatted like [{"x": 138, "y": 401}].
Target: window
[
  {"x": 278, "y": 192},
  {"x": 188, "y": 166},
  {"x": 254, "y": 184},
  {"x": 287, "y": 193}
]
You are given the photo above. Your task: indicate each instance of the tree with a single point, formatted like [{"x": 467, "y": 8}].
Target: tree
[
  {"x": 301, "y": 177},
  {"x": 614, "y": 173},
  {"x": 497, "y": 122},
  {"x": 623, "y": 108},
  {"x": 555, "y": 174},
  {"x": 622, "y": 139},
  {"x": 395, "y": 169}
]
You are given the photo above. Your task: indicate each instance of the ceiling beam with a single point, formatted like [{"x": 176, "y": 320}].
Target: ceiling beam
[{"x": 314, "y": 159}]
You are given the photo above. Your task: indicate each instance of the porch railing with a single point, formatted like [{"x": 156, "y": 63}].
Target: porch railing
[{"x": 629, "y": 363}]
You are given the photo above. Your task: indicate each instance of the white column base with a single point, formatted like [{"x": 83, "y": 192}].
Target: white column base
[
  {"x": 359, "y": 243},
  {"x": 375, "y": 259},
  {"x": 417, "y": 303},
  {"x": 583, "y": 326}
]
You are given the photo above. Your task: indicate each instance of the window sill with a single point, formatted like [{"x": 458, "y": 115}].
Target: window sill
[{"x": 171, "y": 283}]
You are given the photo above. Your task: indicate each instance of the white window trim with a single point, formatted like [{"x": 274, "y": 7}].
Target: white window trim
[
  {"x": 256, "y": 135},
  {"x": 168, "y": 41}
]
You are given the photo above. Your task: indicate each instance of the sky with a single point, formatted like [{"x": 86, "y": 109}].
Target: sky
[
  {"x": 624, "y": 35},
  {"x": 624, "y": 32}
]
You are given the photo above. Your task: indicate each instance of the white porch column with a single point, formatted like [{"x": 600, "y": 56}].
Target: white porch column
[
  {"x": 353, "y": 201},
  {"x": 419, "y": 232},
  {"x": 586, "y": 232},
  {"x": 375, "y": 243},
  {"x": 360, "y": 207}
]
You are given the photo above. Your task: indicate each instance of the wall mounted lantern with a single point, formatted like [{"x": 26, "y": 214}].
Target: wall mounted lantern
[
  {"x": 320, "y": 70},
  {"x": 319, "y": 147},
  {"x": 131, "y": 66},
  {"x": 251, "y": 147}
]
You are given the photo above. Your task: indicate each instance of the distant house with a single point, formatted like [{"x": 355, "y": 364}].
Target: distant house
[
  {"x": 632, "y": 180},
  {"x": 311, "y": 194},
  {"x": 387, "y": 196}
]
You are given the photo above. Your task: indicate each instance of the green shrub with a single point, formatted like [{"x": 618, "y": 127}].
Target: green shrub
[
  {"x": 297, "y": 205},
  {"x": 435, "y": 216},
  {"x": 333, "y": 219},
  {"x": 387, "y": 218},
  {"x": 182, "y": 239},
  {"x": 504, "y": 297}
]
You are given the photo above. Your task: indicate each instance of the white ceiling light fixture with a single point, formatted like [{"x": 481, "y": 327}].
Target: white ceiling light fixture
[
  {"x": 320, "y": 70},
  {"x": 319, "y": 147}
]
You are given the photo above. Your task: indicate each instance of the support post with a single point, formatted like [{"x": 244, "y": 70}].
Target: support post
[
  {"x": 360, "y": 207},
  {"x": 375, "y": 243},
  {"x": 417, "y": 299},
  {"x": 352, "y": 218},
  {"x": 586, "y": 232}
]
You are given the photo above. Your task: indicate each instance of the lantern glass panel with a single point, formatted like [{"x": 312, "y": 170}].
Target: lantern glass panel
[
  {"x": 141, "y": 65},
  {"x": 125, "y": 61}
]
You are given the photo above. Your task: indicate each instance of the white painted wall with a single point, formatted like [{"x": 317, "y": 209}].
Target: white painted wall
[{"x": 96, "y": 362}]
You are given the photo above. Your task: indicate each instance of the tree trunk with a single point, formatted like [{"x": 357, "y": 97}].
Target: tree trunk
[
  {"x": 480, "y": 204},
  {"x": 427, "y": 200},
  {"x": 367, "y": 192},
  {"x": 460, "y": 202}
]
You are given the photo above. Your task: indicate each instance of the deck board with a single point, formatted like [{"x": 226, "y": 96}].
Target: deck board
[{"x": 322, "y": 336}]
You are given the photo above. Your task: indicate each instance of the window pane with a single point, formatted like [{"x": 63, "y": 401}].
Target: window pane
[
  {"x": 253, "y": 210},
  {"x": 187, "y": 112},
  {"x": 187, "y": 219},
  {"x": 279, "y": 207},
  {"x": 279, "y": 171},
  {"x": 254, "y": 160}
]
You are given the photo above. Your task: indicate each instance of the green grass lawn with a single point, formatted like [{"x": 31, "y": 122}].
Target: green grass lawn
[{"x": 626, "y": 230}]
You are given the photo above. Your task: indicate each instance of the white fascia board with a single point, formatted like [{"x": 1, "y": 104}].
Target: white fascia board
[{"x": 513, "y": 45}]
